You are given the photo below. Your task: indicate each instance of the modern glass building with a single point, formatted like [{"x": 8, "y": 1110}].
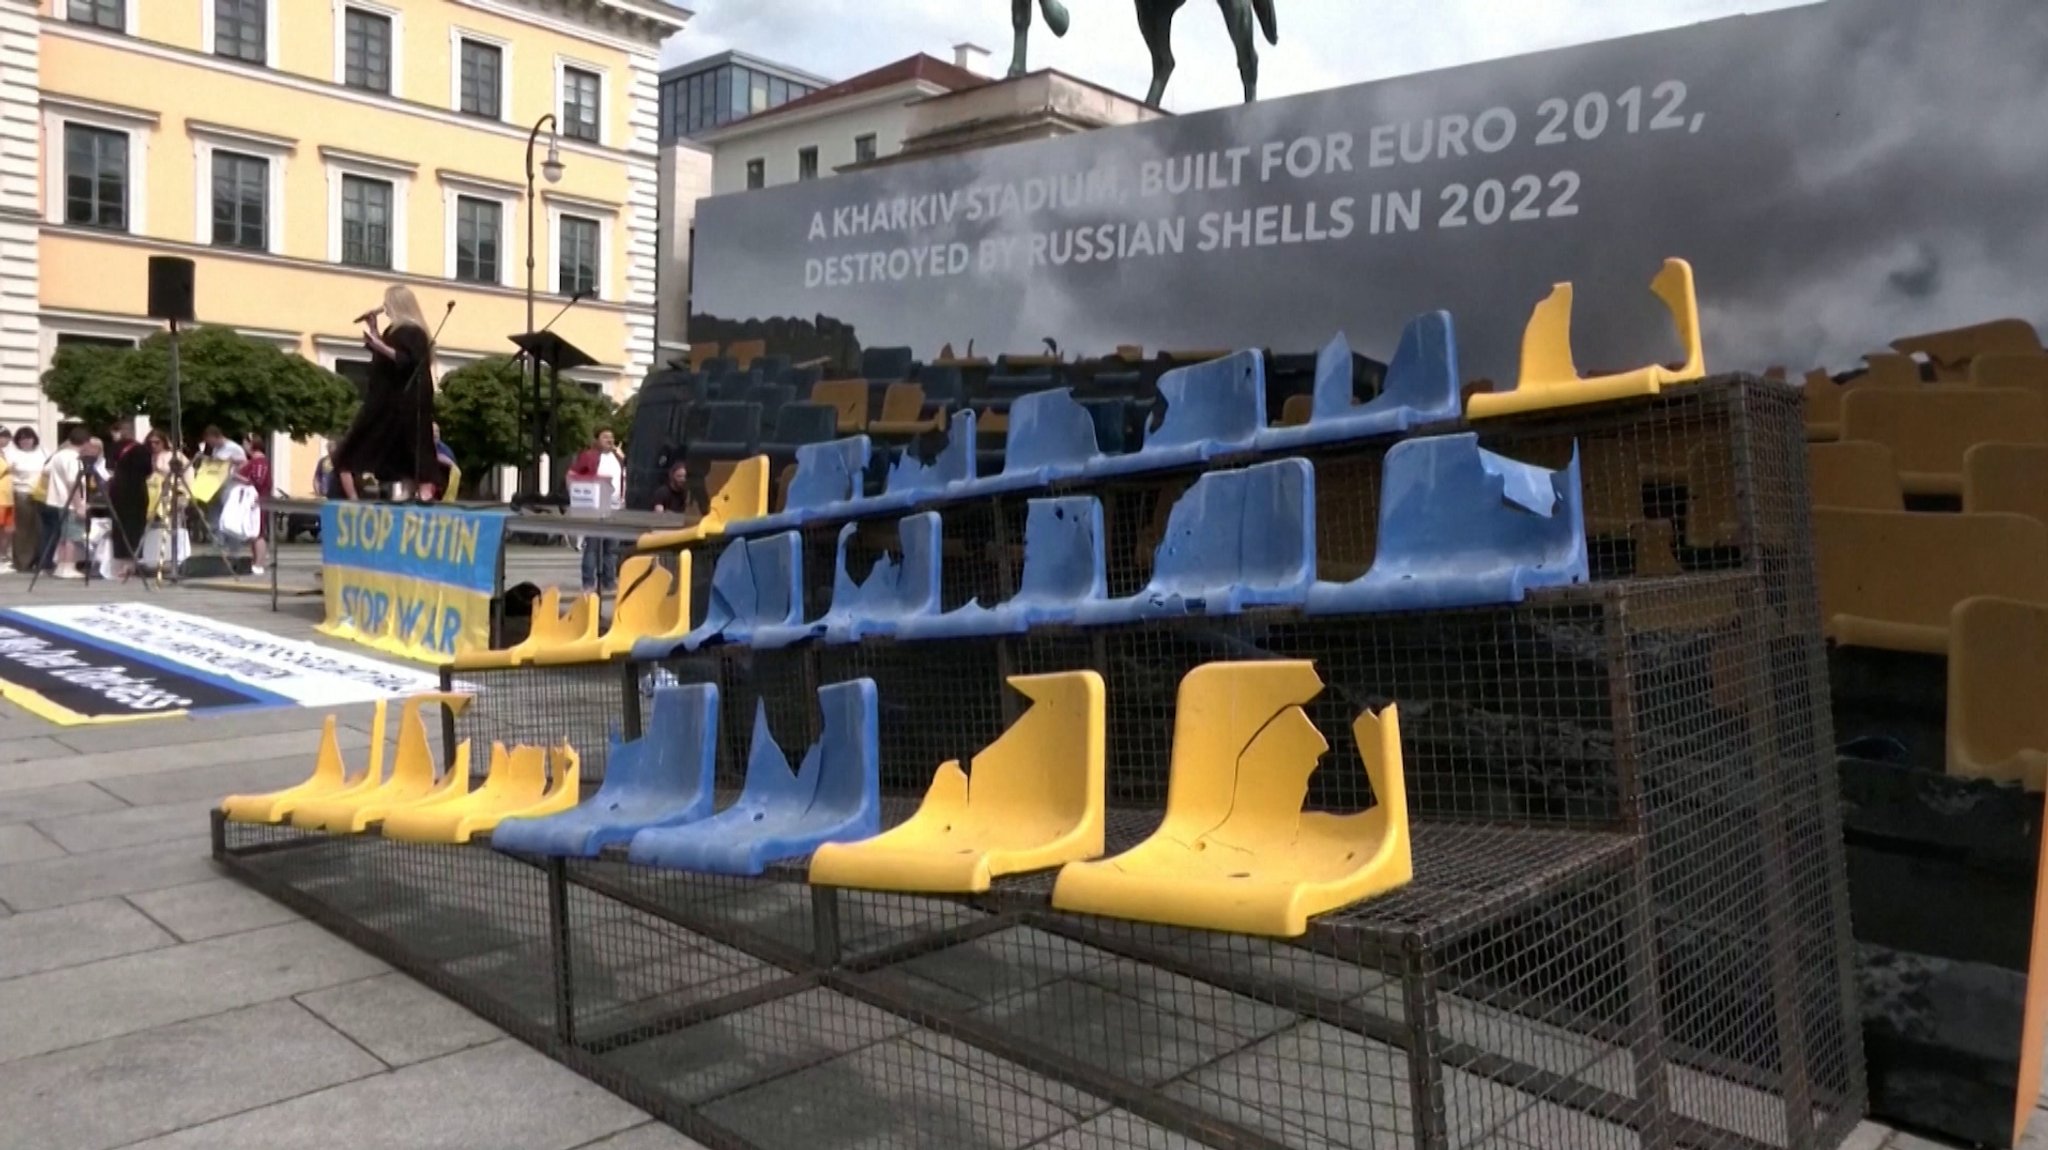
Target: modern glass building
[{"x": 712, "y": 92}]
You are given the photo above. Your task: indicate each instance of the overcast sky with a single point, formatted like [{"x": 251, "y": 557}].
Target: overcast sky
[{"x": 1323, "y": 43}]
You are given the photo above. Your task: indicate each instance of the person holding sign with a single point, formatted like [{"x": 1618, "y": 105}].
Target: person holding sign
[{"x": 604, "y": 464}]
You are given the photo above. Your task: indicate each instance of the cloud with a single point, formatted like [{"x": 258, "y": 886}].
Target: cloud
[{"x": 1323, "y": 43}]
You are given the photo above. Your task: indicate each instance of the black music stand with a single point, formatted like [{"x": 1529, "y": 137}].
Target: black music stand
[{"x": 550, "y": 355}]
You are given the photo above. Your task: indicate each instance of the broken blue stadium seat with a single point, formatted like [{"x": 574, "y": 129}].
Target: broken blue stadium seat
[
  {"x": 1064, "y": 567},
  {"x": 757, "y": 583},
  {"x": 828, "y": 475},
  {"x": 913, "y": 481},
  {"x": 1421, "y": 388},
  {"x": 1235, "y": 539},
  {"x": 1463, "y": 527},
  {"x": 901, "y": 586},
  {"x": 664, "y": 778},
  {"x": 1051, "y": 438},
  {"x": 1212, "y": 409},
  {"x": 833, "y": 797}
]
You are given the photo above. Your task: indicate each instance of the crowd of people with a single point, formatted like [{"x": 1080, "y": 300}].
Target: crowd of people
[{"x": 121, "y": 480}]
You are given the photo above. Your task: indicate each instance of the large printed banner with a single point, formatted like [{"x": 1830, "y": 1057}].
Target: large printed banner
[
  {"x": 114, "y": 662},
  {"x": 413, "y": 581},
  {"x": 1839, "y": 174}
]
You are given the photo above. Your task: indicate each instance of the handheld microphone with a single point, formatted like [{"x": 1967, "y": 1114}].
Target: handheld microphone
[{"x": 367, "y": 316}]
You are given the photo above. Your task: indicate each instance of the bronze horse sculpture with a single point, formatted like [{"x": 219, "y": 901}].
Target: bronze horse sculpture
[{"x": 1155, "y": 20}]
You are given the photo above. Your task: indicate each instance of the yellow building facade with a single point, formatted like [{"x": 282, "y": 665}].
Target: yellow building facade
[{"x": 306, "y": 153}]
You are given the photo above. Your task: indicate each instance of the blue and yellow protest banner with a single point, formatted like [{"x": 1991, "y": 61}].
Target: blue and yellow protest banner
[{"x": 412, "y": 581}]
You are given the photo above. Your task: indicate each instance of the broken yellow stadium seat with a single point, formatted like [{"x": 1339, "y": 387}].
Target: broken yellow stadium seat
[
  {"x": 847, "y": 397},
  {"x": 2028, "y": 372},
  {"x": 329, "y": 779},
  {"x": 1890, "y": 579},
  {"x": 2007, "y": 477},
  {"x": 412, "y": 778},
  {"x": 1929, "y": 429},
  {"x": 702, "y": 353},
  {"x": 744, "y": 495},
  {"x": 653, "y": 604},
  {"x": 1822, "y": 397},
  {"x": 1888, "y": 369},
  {"x": 1297, "y": 410},
  {"x": 1550, "y": 376},
  {"x": 744, "y": 352},
  {"x": 550, "y": 628},
  {"x": 1952, "y": 351},
  {"x": 1034, "y": 800},
  {"x": 1235, "y": 851},
  {"x": 1998, "y": 691},
  {"x": 517, "y": 787},
  {"x": 903, "y": 413},
  {"x": 1854, "y": 474}
]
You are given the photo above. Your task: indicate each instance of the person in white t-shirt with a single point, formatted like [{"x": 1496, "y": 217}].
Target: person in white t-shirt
[
  {"x": 604, "y": 462},
  {"x": 60, "y": 485},
  {"x": 25, "y": 462}
]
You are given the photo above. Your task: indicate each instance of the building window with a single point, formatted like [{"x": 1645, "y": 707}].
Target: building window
[
  {"x": 240, "y": 31},
  {"x": 95, "y": 177},
  {"x": 581, "y": 104},
  {"x": 757, "y": 92},
  {"x": 807, "y": 163},
  {"x": 864, "y": 149},
  {"x": 74, "y": 339},
  {"x": 483, "y": 70},
  {"x": 367, "y": 47},
  {"x": 241, "y": 191},
  {"x": 578, "y": 243},
  {"x": 356, "y": 371},
  {"x": 366, "y": 222},
  {"x": 478, "y": 230},
  {"x": 109, "y": 14},
  {"x": 757, "y": 174}
]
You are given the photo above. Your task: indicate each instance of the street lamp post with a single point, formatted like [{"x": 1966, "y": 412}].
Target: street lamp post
[{"x": 551, "y": 168}]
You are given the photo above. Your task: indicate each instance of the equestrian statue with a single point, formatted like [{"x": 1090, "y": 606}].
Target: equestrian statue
[{"x": 1155, "y": 20}]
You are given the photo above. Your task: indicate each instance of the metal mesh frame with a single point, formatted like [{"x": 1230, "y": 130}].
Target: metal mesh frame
[
  {"x": 1628, "y": 926},
  {"x": 586, "y": 706}
]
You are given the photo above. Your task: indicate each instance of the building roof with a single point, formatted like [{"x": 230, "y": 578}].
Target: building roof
[
  {"x": 919, "y": 68},
  {"x": 744, "y": 60}
]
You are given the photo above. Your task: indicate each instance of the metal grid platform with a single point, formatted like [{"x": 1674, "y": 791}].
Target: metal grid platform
[{"x": 1628, "y": 926}]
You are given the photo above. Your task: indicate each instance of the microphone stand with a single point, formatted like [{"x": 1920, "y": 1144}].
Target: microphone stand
[{"x": 534, "y": 419}]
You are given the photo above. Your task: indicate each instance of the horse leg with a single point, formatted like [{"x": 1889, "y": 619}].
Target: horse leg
[
  {"x": 1020, "y": 19},
  {"x": 1238, "y": 14},
  {"x": 1155, "y": 20}
]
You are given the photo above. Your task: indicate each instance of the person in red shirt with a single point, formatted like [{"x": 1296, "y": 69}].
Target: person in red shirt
[{"x": 255, "y": 471}]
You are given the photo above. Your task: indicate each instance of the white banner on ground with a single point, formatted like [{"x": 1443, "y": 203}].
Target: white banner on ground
[{"x": 303, "y": 673}]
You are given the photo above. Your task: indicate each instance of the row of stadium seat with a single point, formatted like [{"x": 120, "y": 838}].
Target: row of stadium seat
[
  {"x": 1968, "y": 429},
  {"x": 1235, "y": 850}
]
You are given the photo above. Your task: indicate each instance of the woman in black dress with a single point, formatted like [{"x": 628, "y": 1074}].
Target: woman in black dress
[
  {"x": 393, "y": 435},
  {"x": 128, "y": 493}
]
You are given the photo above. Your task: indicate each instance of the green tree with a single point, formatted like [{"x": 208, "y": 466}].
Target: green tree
[
  {"x": 478, "y": 409},
  {"x": 240, "y": 384}
]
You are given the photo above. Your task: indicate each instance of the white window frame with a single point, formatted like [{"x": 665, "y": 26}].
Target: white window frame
[
  {"x": 604, "y": 98},
  {"x": 136, "y": 124},
  {"x": 276, "y": 151},
  {"x": 399, "y": 175},
  {"x": 456, "y": 35},
  {"x": 507, "y": 198},
  {"x": 131, "y": 12},
  {"x": 208, "y": 17},
  {"x": 389, "y": 12},
  {"x": 605, "y": 216}
]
